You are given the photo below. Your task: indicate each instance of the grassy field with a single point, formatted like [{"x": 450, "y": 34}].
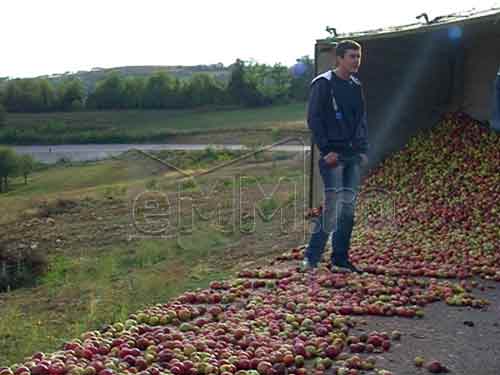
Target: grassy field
[
  {"x": 98, "y": 287},
  {"x": 143, "y": 126},
  {"x": 110, "y": 177},
  {"x": 78, "y": 216}
]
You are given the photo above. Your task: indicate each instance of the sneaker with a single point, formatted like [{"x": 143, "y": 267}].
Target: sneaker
[
  {"x": 305, "y": 266},
  {"x": 344, "y": 267}
]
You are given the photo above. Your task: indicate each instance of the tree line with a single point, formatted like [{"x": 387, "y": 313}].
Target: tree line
[{"x": 250, "y": 84}]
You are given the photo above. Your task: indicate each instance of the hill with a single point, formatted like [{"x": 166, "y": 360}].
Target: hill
[
  {"x": 90, "y": 77},
  {"x": 182, "y": 72}
]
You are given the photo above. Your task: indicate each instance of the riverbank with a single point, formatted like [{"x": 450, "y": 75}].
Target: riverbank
[{"x": 90, "y": 152}]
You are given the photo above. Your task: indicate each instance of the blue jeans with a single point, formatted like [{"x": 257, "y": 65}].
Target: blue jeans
[{"x": 337, "y": 217}]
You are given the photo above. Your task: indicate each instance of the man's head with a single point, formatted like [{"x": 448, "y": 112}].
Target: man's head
[{"x": 348, "y": 54}]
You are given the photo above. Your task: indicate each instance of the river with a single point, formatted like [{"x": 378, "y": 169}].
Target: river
[{"x": 88, "y": 152}]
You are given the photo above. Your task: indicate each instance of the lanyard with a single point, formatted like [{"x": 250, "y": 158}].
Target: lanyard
[
  {"x": 334, "y": 102},
  {"x": 338, "y": 113}
]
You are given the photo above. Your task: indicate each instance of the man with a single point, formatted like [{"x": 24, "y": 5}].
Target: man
[{"x": 337, "y": 119}]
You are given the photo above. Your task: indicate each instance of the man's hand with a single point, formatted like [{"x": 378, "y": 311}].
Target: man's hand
[
  {"x": 331, "y": 159},
  {"x": 364, "y": 160}
]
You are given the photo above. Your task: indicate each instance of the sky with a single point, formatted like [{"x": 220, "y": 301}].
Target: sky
[{"x": 56, "y": 36}]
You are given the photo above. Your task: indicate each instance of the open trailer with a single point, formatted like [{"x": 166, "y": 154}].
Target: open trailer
[{"x": 414, "y": 73}]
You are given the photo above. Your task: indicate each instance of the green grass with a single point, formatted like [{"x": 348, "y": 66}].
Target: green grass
[
  {"x": 87, "y": 287},
  {"x": 74, "y": 182},
  {"x": 66, "y": 178},
  {"x": 82, "y": 293},
  {"x": 109, "y": 177},
  {"x": 141, "y": 126},
  {"x": 59, "y": 178}
]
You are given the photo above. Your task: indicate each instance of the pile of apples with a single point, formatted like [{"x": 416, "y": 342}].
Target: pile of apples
[
  {"x": 293, "y": 323},
  {"x": 432, "y": 209},
  {"x": 276, "y": 329},
  {"x": 276, "y": 320},
  {"x": 445, "y": 188}
]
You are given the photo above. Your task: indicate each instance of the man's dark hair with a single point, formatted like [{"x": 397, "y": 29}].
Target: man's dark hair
[{"x": 343, "y": 46}]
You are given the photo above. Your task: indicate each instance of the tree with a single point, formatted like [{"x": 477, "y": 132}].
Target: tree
[
  {"x": 133, "y": 92},
  {"x": 29, "y": 95},
  {"x": 3, "y": 115},
  {"x": 282, "y": 80},
  {"x": 47, "y": 95},
  {"x": 23, "y": 95},
  {"x": 71, "y": 94},
  {"x": 242, "y": 87},
  {"x": 203, "y": 89},
  {"x": 237, "y": 86},
  {"x": 8, "y": 166},
  {"x": 162, "y": 91},
  {"x": 25, "y": 165},
  {"x": 109, "y": 92},
  {"x": 272, "y": 82}
]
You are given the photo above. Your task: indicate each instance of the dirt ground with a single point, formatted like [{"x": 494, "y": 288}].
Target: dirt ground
[{"x": 466, "y": 349}]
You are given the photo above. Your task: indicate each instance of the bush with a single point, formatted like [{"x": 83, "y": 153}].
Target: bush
[
  {"x": 76, "y": 105},
  {"x": 21, "y": 268},
  {"x": 56, "y": 207}
]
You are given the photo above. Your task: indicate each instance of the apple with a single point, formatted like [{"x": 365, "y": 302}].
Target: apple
[{"x": 435, "y": 367}]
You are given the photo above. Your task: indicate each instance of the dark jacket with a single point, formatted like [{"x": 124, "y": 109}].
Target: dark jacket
[{"x": 347, "y": 135}]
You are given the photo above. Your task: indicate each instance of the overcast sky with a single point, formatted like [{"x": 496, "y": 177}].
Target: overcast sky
[{"x": 55, "y": 36}]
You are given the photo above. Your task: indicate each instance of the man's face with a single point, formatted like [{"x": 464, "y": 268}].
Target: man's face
[{"x": 351, "y": 60}]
